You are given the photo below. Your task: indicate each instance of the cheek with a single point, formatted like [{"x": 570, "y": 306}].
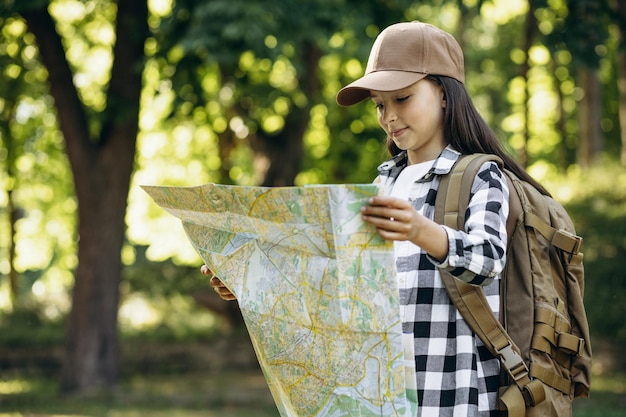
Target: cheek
[
  {"x": 379, "y": 118},
  {"x": 428, "y": 111}
]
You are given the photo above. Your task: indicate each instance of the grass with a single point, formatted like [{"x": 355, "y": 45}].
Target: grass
[
  {"x": 241, "y": 393},
  {"x": 236, "y": 394},
  {"x": 608, "y": 397}
]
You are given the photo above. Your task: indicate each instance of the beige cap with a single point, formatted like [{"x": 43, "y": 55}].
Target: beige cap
[{"x": 402, "y": 55}]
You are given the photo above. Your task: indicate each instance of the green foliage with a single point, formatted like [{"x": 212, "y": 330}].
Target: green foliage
[
  {"x": 36, "y": 192},
  {"x": 9, "y": 7},
  {"x": 164, "y": 293},
  {"x": 28, "y": 326},
  {"x": 597, "y": 204},
  {"x": 265, "y": 63},
  {"x": 225, "y": 79},
  {"x": 235, "y": 393},
  {"x": 161, "y": 278},
  {"x": 585, "y": 29},
  {"x": 226, "y": 392}
]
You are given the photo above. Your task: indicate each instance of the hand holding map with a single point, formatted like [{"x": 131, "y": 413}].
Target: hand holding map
[{"x": 317, "y": 291}]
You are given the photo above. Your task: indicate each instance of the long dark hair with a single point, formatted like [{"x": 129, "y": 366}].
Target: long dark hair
[{"x": 467, "y": 131}]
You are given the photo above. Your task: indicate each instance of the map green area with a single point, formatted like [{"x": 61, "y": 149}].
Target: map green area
[{"x": 317, "y": 290}]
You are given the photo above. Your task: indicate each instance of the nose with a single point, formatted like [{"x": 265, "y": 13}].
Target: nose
[{"x": 389, "y": 115}]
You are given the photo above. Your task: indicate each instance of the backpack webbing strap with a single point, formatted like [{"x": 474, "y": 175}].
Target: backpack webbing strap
[
  {"x": 562, "y": 239},
  {"x": 550, "y": 378},
  {"x": 470, "y": 300},
  {"x": 556, "y": 330}
]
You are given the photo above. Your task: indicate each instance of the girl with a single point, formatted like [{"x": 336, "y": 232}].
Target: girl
[{"x": 414, "y": 77}]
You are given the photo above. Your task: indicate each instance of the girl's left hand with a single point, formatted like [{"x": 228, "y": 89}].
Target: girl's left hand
[{"x": 218, "y": 285}]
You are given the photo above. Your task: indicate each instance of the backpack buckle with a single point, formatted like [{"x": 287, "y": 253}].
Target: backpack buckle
[
  {"x": 567, "y": 241},
  {"x": 513, "y": 363}
]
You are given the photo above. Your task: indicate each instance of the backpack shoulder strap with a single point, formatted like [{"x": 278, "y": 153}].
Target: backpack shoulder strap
[
  {"x": 455, "y": 188},
  {"x": 451, "y": 203}
]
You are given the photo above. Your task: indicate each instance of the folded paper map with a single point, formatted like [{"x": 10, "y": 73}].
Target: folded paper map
[{"x": 317, "y": 291}]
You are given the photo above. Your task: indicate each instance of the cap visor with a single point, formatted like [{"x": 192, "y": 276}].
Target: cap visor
[{"x": 360, "y": 89}]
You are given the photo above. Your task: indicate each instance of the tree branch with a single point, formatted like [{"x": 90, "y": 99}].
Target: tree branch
[{"x": 70, "y": 111}]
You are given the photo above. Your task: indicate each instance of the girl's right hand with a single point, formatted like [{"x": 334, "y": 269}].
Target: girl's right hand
[{"x": 218, "y": 285}]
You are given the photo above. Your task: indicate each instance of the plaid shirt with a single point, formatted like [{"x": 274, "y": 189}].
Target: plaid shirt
[{"x": 456, "y": 374}]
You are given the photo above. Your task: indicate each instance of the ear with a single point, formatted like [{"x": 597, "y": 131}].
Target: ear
[{"x": 442, "y": 95}]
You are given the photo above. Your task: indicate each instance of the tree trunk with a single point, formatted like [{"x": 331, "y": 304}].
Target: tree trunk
[
  {"x": 621, "y": 83},
  {"x": 530, "y": 29},
  {"x": 14, "y": 215},
  {"x": 621, "y": 73},
  {"x": 14, "y": 212},
  {"x": 278, "y": 158},
  {"x": 591, "y": 139},
  {"x": 102, "y": 168},
  {"x": 566, "y": 156},
  {"x": 285, "y": 151}
]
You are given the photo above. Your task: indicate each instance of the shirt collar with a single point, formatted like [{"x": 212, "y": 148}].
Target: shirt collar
[{"x": 442, "y": 165}]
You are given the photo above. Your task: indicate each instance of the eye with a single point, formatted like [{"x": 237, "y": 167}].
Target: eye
[
  {"x": 379, "y": 106},
  {"x": 402, "y": 99}
]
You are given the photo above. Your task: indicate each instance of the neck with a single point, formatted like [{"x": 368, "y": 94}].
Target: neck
[{"x": 423, "y": 155}]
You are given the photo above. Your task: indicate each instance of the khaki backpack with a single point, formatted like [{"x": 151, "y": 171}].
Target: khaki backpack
[{"x": 542, "y": 337}]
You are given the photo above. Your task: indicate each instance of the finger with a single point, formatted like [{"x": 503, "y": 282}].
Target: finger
[
  {"x": 380, "y": 200},
  {"x": 218, "y": 288},
  {"x": 205, "y": 270},
  {"x": 378, "y": 211},
  {"x": 215, "y": 282},
  {"x": 228, "y": 297},
  {"x": 385, "y": 217},
  {"x": 225, "y": 293},
  {"x": 385, "y": 212},
  {"x": 387, "y": 201}
]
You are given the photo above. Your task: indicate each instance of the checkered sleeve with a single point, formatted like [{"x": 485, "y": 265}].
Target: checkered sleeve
[{"x": 477, "y": 254}]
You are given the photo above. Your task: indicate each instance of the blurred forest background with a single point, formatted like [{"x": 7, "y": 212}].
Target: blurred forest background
[{"x": 99, "y": 286}]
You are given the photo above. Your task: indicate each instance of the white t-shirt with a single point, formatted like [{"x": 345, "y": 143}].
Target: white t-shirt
[
  {"x": 410, "y": 174},
  {"x": 402, "y": 189}
]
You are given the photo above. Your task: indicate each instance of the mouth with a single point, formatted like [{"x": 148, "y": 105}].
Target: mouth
[{"x": 397, "y": 132}]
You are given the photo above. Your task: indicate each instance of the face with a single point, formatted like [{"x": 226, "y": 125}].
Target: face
[{"x": 413, "y": 118}]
